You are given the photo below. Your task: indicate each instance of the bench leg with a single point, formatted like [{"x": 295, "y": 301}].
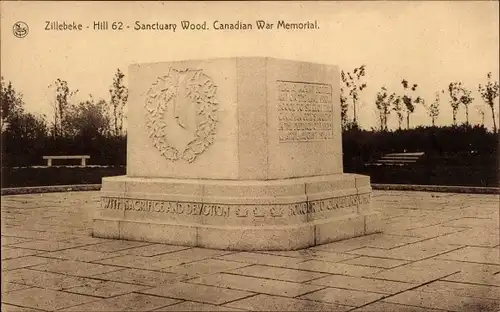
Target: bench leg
[
  {"x": 49, "y": 162},
  {"x": 84, "y": 163}
]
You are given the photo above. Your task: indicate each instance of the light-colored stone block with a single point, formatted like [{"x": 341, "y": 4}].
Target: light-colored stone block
[
  {"x": 150, "y": 94},
  {"x": 250, "y": 106},
  {"x": 255, "y": 238},
  {"x": 106, "y": 228},
  {"x": 342, "y": 228},
  {"x": 158, "y": 233},
  {"x": 373, "y": 223}
]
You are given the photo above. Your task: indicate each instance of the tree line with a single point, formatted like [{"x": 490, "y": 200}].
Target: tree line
[
  {"x": 90, "y": 126},
  {"x": 97, "y": 126},
  {"x": 404, "y": 102},
  {"x": 87, "y": 118}
]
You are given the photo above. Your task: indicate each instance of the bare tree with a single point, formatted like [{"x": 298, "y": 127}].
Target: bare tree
[
  {"x": 459, "y": 95},
  {"x": 353, "y": 83},
  {"x": 119, "y": 97},
  {"x": 383, "y": 103},
  {"x": 409, "y": 100},
  {"x": 489, "y": 93},
  {"x": 433, "y": 109},
  {"x": 481, "y": 112},
  {"x": 398, "y": 108},
  {"x": 63, "y": 96}
]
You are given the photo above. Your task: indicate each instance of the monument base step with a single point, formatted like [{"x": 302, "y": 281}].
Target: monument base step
[{"x": 285, "y": 214}]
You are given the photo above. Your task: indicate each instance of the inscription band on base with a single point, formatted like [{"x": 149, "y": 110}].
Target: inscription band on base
[{"x": 240, "y": 211}]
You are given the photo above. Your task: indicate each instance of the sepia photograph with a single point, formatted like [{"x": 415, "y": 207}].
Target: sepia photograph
[{"x": 250, "y": 156}]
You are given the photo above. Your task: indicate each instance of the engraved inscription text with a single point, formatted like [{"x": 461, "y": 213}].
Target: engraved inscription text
[
  {"x": 305, "y": 111},
  {"x": 239, "y": 211}
]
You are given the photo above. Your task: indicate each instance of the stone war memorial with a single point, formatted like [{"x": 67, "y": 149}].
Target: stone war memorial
[{"x": 237, "y": 154}]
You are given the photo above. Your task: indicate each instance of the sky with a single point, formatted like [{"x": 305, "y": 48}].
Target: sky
[{"x": 428, "y": 43}]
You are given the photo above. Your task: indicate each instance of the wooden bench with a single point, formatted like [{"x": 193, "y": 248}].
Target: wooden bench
[{"x": 82, "y": 157}]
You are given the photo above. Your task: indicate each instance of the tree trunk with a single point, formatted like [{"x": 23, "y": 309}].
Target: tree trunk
[
  {"x": 116, "y": 119},
  {"x": 467, "y": 114},
  {"x": 433, "y": 122},
  {"x": 408, "y": 120},
  {"x": 355, "y": 120},
  {"x": 494, "y": 120},
  {"x": 381, "y": 119}
]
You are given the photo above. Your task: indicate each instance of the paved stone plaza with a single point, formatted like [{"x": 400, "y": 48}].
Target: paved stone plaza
[{"x": 440, "y": 252}]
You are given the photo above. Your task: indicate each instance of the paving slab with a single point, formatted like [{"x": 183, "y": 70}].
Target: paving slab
[
  {"x": 105, "y": 289},
  {"x": 474, "y": 254},
  {"x": 462, "y": 289},
  {"x": 480, "y": 237},
  {"x": 412, "y": 252},
  {"x": 10, "y": 240},
  {"x": 76, "y": 268},
  {"x": 433, "y": 231},
  {"x": 275, "y": 303},
  {"x": 46, "y": 280},
  {"x": 444, "y": 301},
  {"x": 256, "y": 285},
  {"x": 11, "y": 253},
  {"x": 142, "y": 277},
  {"x": 128, "y": 302},
  {"x": 334, "y": 268},
  {"x": 44, "y": 299},
  {"x": 77, "y": 254},
  {"x": 153, "y": 250},
  {"x": 417, "y": 273},
  {"x": 199, "y": 293},
  {"x": 115, "y": 245},
  {"x": 23, "y": 262},
  {"x": 281, "y": 274},
  {"x": 381, "y": 306},
  {"x": 475, "y": 277},
  {"x": 196, "y": 306},
  {"x": 13, "y": 308},
  {"x": 349, "y": 297},
  {"x": 309, "y": 254},
  {"x": 8, "y": 286},
  {"x": 139, "y": 262},
  {"x": 204, "y": 267},
  {"x": 260, "y": 258},
  {"x": 363, "y": 284},
  {"x": 376, "y": 262}
]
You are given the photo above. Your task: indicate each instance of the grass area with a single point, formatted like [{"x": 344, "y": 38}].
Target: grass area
[
  {"x": 449, "y": 174},
  {"x": 39, "y": 176}
]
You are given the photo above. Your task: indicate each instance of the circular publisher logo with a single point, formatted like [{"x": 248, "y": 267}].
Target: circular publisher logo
[{"x": 20, "y": 29}]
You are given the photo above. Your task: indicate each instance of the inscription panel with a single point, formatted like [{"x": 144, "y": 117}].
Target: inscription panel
[
  {"x": 305, "y": 111},
  {"x": 238, "y": 211}
]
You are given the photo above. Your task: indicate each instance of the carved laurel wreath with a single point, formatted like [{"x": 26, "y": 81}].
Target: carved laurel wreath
[{"x": 161, "y": 96}]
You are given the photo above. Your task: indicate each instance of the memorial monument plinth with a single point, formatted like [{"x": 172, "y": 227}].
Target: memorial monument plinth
[{"x": 239, "y": 153}]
